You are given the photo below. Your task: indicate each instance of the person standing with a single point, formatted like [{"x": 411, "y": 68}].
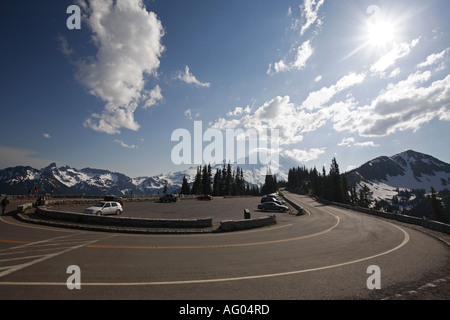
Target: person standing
[{"x": 5, "y": 202}]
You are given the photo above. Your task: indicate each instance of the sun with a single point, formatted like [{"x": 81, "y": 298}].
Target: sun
[{"x": 380, "y": 33}]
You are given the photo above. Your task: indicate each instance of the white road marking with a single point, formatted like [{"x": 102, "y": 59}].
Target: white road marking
[
  {"x": 203, "y": 281},
  {"x": 41, "y": 258}
]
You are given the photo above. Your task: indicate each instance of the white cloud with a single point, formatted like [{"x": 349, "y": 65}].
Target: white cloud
[
  {"x": 304, "y": 155},
  {"x": 303, "y": 53},
  {"x": 189, "y": 78},
  {"x": 128, "y": 42},
  {"x": 402, "y": 106},
  {"x": 310, "y": 14},
  {"x": 278, "y": 113},
  {"x": 432, "y": 59},
  {"x": 64, "y": 46},
  {"x": 394, "y": 73},
  {"x": 189, "y": 113},
  {"x": 239, "y": 111},
  {"x": 46, "y": 135},
  {"x": 400, "y": 50},
  {"x": 366, "y": 144},
  {"x": 293, "y": 120},
  {"x": 317, "y": 99},
  {"x": 153, "y": 97},
  {"x": 349, "y": 142},
  {"x": 123, "y": 144}
]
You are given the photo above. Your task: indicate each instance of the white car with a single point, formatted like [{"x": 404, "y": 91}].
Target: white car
[{"x": 105, "y": 207}]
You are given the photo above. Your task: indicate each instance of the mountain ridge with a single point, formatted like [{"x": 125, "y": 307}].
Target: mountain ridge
[
  {"x": 406, "y": 170},
  {"x": 383, "y": 175},
  {"x": 90, "y": 181}
]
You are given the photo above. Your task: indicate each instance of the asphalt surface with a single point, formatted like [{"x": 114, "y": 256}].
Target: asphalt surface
[
  {"x": 322, "y": 255},
  {"x": 219, "y": 209}
]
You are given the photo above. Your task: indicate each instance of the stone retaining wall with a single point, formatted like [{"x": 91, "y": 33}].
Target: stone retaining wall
[
  {"x": 124, "y": 221},
  {"x": 245, "y": 224}
]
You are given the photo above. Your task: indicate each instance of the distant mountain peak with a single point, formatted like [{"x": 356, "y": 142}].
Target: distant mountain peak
[{"x": 406, "y": 170}]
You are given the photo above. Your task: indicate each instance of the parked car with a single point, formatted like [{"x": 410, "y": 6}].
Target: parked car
[
  {"x": 271, "y": 199},
  {"x": 272, "y": 206},
  {"x": 168, "y": 198},
  {"x": 113, "y": 198},
  {"x": 105, "y": 207},
  {"x": 205, "y": 197}
]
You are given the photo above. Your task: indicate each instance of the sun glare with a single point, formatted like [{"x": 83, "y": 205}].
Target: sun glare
[{"x": 380, "y": 33}]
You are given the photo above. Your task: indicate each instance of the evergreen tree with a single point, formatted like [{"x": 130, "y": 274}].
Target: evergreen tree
[
  {"x": 345, "y": 190},
  {"x": 437, "y": 211},
  {"x": 206, "y": 180},
  {"x": 365, "y": 197},
  {"x": 314, "y": 182},
  {"x": 223, "y": 180},
  {"x": 334, "y": 183},
  {"x": 216, "y": 183},
  {"x": 185, "y": 189},
  {"x": 197, "y": 186},
  {"x": 228, "y": 181},
  {"x": 270, "y": 183}
]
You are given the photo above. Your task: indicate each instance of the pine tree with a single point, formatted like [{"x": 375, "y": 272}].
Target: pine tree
[
  {"x": 270, "y": 183},
  {"x": 206, "y": 179},
  {"x": 228, "y": 180},
  {"x": 216, "y": 183},
  {"x": 197, "y": 186},
  {"x": 437, "y": 211},
  {"x": 335, "y": 185},
  {"x": 365, "y": 197},
  {"x": 185, "y": 189}
]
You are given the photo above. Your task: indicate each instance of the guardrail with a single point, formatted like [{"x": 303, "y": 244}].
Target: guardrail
[{"x": 424, "y": 222}]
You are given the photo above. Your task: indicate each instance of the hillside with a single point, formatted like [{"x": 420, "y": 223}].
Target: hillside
[
  {"x": 66, "y": 180},
  {"x": 407, "y": 170}
]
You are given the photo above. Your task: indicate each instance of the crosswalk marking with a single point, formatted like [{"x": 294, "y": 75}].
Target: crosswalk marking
[{"x": 30, "y": 251}]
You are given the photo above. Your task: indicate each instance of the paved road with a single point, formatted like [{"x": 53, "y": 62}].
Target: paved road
[{"x": 322, "y": 255}]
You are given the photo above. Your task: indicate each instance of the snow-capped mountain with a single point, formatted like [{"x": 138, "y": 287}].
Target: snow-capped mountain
[
  {"x": 254, "y": 174},
  {"x": 67, "y": 180},
  {"x": 63, "y": 180},
  {"x": 406, "y": 170},
  {"x": 383, "y": 175}
]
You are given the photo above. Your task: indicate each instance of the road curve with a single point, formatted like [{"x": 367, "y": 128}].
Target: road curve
[{"x": 324, "y": 254}]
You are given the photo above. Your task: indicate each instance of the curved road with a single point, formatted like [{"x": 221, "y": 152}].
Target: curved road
[{"x": 324, "y": 254}]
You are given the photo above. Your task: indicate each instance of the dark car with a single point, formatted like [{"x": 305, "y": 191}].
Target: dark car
[
  {"x": 168, "y": 198},
  {"x": 114, "y": 199},
  {"x": 205, "y": 197},
  {"x": 272, "y": 206},
  {"x": 271, "y": 199}
]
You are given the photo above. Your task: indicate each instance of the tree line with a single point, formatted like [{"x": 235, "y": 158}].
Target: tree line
[
  {"x": 225, "y": 182},
  {"x": 334, "y": 186}
]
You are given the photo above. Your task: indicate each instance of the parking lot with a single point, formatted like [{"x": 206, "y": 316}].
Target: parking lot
[{"x": 219, "y": 209}]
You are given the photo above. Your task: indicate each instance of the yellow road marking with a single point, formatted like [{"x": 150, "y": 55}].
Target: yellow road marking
[{"x": 220, "y": 245}]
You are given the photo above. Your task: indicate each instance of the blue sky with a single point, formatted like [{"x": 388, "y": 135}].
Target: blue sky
[{"x": 347, "y": 79}]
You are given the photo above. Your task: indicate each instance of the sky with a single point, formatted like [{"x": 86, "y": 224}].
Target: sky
[{"x": 351, "y": 80}]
